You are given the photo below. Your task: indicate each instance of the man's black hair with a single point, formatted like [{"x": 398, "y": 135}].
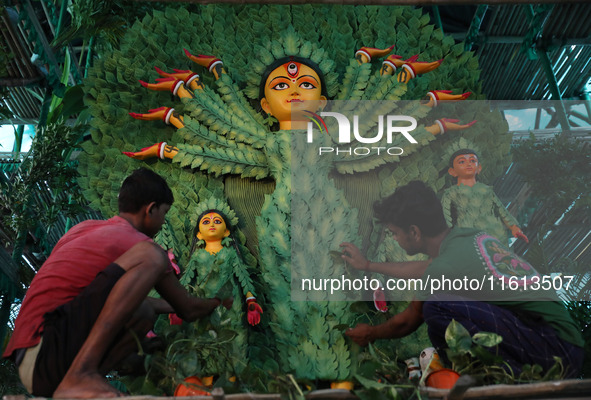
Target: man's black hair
[
  {"x": 459, "y": 153},
  {"x": 141, "y": 188},
  {"x": 271, "y": 67},
  {"x": 412, "y": 204}
]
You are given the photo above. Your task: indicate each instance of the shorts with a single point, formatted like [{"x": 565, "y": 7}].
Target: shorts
[{"x": 66, "y": 329}]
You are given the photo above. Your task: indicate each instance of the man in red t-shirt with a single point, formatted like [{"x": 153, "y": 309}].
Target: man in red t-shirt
[{"x": 89, "y": 299}]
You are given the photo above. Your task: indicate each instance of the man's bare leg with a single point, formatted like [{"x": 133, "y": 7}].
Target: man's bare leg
[
  {"x": 125, "y": 343},
  {"x": 145, "y": 264}
]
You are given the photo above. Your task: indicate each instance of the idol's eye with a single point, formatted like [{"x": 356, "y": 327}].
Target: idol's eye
[
  {"x": 217, "y": 221},
  {"x": 280, "y": 86},
  {"x": 205, "y": 222},
  {"x": 307, "y": 85}
]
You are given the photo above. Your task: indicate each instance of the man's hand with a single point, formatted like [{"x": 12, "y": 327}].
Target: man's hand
[
  {"x": 362, "y": 334},
  {"x": 227, "y": 302},
  {"x": 352, "y": 255}
]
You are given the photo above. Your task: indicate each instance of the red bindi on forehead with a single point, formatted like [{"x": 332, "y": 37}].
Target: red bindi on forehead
[{"x": 209, "y": 216}]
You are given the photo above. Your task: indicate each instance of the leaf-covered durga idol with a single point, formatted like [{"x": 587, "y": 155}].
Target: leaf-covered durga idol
[{"x": 236, "y": 77}]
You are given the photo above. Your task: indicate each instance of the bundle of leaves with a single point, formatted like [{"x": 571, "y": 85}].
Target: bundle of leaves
[
  {"x": 9, "y": 380},
  {"x": 382, "y": 375},
  {"x": 478, "y": 357},
  {"x": 195, "y": 347}
]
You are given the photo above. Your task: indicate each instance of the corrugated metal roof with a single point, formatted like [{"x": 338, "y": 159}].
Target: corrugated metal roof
[
  {"x": 509, "y": 72},
  {"x": 22, "y": 78}
]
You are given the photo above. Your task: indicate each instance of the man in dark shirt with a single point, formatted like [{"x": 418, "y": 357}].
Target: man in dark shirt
[{"x": 534, "y": 325}]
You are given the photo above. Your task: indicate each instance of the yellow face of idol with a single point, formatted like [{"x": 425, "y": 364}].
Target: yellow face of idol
[
  {"x": 465, "y": 166},
  {"x": 287, "y": 89},
  {"x": 212, "y": 227}
]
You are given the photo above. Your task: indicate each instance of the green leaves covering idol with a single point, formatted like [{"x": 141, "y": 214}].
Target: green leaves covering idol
[{"x": 220, "y": 144}]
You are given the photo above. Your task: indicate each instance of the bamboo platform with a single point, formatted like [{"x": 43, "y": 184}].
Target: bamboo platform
[{"x": 574, "y": 389}]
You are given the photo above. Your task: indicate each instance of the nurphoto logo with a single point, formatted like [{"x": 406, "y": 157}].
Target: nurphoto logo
[{"x": 388, "y": 125}]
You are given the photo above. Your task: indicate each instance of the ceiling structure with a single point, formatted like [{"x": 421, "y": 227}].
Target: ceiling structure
[
  {"x": 25, "y": 82},
  {"x": 526, "y": 52}
]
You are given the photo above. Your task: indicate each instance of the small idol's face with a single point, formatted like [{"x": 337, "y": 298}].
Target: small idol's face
[
  {"x": 212, "y": 227},
  {"x": 288, "y": 87},
  {"x": 465, "y": 166}
]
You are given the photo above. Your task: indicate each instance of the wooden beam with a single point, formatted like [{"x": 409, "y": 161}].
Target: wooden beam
[
  {"x": 14, "y": 82},
  {"x": 554, "y": 89},
  {"x": 485, "y": 39},
  {"x": 546, "y": 390},
  {"x": 583, "y": 134},
  {"x": 18, "y": 121}
]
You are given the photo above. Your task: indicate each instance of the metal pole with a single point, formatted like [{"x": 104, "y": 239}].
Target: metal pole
[
  {"x": 18, "y": 140},
  {"x": 63, "y": 10},
  {"x": 438, "y": 18},
  {"x": 4, "y": 315},
  {"x": 587, "y": 99},
  {"x": 45, "y": 106},
  {"x": 88, "y": 56},
  {"x": 554, "y": 89},
  {"x": 472, "y": 35}
]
